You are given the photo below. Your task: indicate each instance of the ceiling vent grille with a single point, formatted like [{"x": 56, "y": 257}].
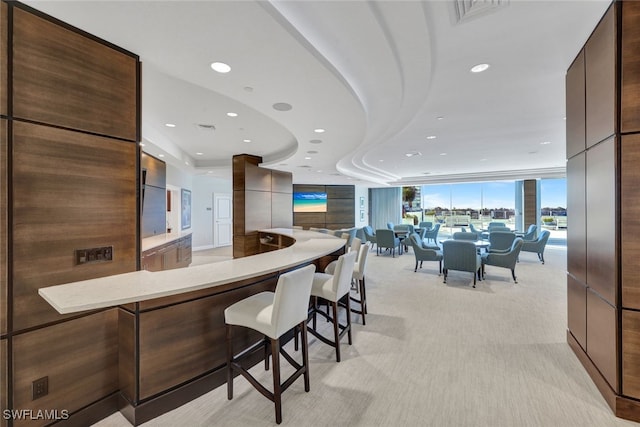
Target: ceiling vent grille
[
  {"x": 206, "y": 127},
  {"x": 466, "y": 10}
]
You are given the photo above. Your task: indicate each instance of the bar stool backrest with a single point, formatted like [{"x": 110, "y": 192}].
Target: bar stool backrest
[
  {"x": 291, "y": 300},
  {"x": 343, "y": 273}
]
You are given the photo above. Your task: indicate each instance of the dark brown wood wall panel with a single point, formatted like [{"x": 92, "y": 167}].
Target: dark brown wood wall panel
[
  {"x": 600, "y": 72},
  {"x": 127, "y": 366},
  {"x": 257, "y": 178},
  {"x": 575, "y": 110},
  {"x": 630, "y": 220},
  {"x": 281, "y": 182},
  {"x": 4, "y": 58},
  {"x": 307, "y": 219},
  {"x": 238, "y": 212},
  {"x": 79, "y": 356},
  {"x": 180, "y": 342},
  {"x": 64, "y": 78},
  {"x": 601, "y": 220},
  {"x": 341, "y": 211},
  {"x": 577, "y": 310},
  {"x": 341, "y": 192},
  {"x": 602, "y": 342},
  {"x": 4, "y": 382},
  {"x": 577, "y": 217},
  {"x": 531, "y": 211},
  {"x": 631, "y": 353},
  {"x": 71, "y": 191},
  {"x": 630, "y": 95},
  {"x": 4, "y": 210},
  {"x": 281, "y": 210}
]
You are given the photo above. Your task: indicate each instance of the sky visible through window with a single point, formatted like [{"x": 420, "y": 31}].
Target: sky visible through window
[{"x": 490, "y": 195}]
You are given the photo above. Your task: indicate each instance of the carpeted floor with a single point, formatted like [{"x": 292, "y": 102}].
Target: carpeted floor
[{"x": 433, "y": 354}]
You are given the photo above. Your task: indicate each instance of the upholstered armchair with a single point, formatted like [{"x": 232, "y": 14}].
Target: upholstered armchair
[
  {"x": 475, "y": 230},
  {"x": 425, "y": 225},
  {"x": 424, "y": 254},
  {"x": 461, "y": 255},
  {"x": 530, "y": 235},
  {"x": 506, "y": 259},
  {"x": 463, "y": 235},
  {"x": 433, "y": 234},
  {"x": 386, "y": 239},
  {"x": 390, "y": 225},
  {"x": 500, "y": 241},
  {"x": 369, "y": 234},
  {"x": 537, "y": 246}
]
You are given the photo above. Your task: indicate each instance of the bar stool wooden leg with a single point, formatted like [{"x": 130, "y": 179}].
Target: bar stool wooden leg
[
  {"x": 349, "y": 319},
  {"x": 229, "y": 367},
  {"x": 363, "y": 294},
  {"x": 336, "y": 329},
  {"x": 305, "y": 357},
  {"x": 277, "y": 390},
  {"x": 266, "y": 353}
]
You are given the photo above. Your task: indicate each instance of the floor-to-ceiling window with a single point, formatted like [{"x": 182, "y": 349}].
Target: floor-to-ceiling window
[{"x": 553, "y": 207}]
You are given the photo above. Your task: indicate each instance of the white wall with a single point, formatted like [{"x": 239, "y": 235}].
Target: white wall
[
  {"x": 361, "y": 192},
  {"x": 177, "y": 180},
  {"x": 202, "y": 208}
]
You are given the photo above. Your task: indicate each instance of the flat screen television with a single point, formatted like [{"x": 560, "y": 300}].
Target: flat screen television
[{"x": 309, "y": 202}]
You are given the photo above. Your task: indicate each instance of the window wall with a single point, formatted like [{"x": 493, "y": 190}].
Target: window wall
[
  {"x": 457, "y": 205},
  {"x": 553, "y": 203}
]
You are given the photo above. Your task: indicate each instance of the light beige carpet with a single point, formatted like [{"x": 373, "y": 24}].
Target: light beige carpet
[{"x": 433, "y": 354}]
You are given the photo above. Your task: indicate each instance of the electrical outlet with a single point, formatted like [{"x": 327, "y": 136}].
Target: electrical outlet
[{"x": 40, "y": 387}]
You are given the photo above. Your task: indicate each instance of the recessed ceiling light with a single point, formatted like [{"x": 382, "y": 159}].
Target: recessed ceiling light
[
  {"x": 381, "y": 160},
  {"x": 307, "y": 158},
  {"x": 319, "y": 130},
  {"x": 431, "y": 137},
  {"x": 413, "y": 153},
  {"x": 210, "y": 172},
  {"x": 220, "y": 67},
  {"x": 479, "y": 68},
  {"x": 316, "y": 141},
  {"x": 246, "y": 140},
  {"x": 230, "y": 114},
  {"x": 443, "y": 154},
  {"x": 248, "y": 89},
  {"x": 312, "y": 152},
  {"x": 483, "y": 160},
  {"x": 198, "y": 154},
  {"x": 319, "y": 170},
  {"x": 282, "y": 106},
  {"x": 440, "y": 118},
  {"x": 545, "y": 143},
  {"x": 160, "y": 155},
  {"x": 170, "y": 125},
  {"x": 186, "y": 163}
]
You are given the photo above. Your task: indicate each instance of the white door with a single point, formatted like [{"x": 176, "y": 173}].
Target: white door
[{"x": 222, "y": 220}]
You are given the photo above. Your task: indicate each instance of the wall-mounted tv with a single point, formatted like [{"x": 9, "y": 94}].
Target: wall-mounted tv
[{"x": 310, "y": 202}]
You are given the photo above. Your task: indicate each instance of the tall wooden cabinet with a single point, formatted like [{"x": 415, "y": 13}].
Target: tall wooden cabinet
[{"x": 603, "y": 236}]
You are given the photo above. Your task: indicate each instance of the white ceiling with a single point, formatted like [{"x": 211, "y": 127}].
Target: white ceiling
[{"x": 375, "y": 74}]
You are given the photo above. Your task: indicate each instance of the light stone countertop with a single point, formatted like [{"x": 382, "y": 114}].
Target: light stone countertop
[
  {"x": 159, "y": 240},
  {"x": 145, "y": 285}
]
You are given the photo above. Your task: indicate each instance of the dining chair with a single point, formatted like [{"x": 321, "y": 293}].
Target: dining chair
[
  {"x": 433, "y": 233},
  {"x": 386, "y": 239},
  {"x": 500, "y": 241},
  {"x": 463, "y": 235},
  {"x": 537, "y": 246},
  {"x": 424, "y": 254}
]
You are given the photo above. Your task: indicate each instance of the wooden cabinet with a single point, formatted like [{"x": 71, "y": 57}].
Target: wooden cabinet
[
  {"x": 272, "y": 241},
  {"x": 175, "y": 254}
]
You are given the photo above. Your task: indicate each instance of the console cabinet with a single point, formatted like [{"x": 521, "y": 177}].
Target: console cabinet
[{"x": 175, "y": 254}]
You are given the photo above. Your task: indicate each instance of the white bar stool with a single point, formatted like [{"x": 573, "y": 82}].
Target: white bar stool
[
  {"x": 272, "y": 314},
  {"x": 333, "y": 288}
]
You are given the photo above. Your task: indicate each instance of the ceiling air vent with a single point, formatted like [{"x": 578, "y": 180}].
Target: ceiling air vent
[
  {"x": 207, "y": 127},
  {"x": 466, "y": 10}
]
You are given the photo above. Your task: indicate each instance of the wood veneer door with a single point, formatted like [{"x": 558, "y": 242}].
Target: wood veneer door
[
  {"x": 577, "y": 218},
  {"x": 71, "y": 191},
  {"x": 601, "y": 220},
  {"x": 600, "y": 79},
  {"x": 64, "y": 78},
  {"x": 630, "y": 96},
  {"x": 79, "y": 356},
  {"x": 575, "y": 99},
  {"x": 630, "y": 220},
  {"x": 631, "y": 353}
]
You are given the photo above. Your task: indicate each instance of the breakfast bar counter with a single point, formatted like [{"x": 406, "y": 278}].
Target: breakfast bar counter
[{"x": 170, "y": 325}]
